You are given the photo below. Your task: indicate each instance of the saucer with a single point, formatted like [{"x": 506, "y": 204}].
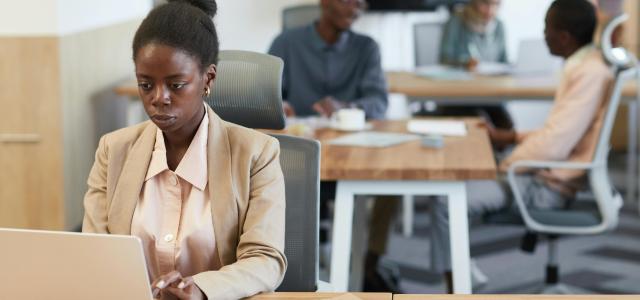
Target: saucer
[{"x": 367, "y": 126}]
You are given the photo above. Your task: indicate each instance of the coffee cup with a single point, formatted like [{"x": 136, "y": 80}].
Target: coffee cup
[{"x": 349, "y": 119}]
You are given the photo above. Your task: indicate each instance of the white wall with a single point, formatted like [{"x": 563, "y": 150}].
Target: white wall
[
  {"x": 523, "y": 20},
  {"x": 82, "y": 15},
  {"x": 251, "y": 24},
  {"x": 28, "y": 17},
  {"x": 63, "y": 17}
]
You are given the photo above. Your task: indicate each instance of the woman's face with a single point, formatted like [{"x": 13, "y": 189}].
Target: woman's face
[
  {"x": 487, "y": 9},
  {"x": 171, "y": 86}
]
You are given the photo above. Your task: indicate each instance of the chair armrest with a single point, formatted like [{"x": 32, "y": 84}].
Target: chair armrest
[{"x": 539, "y": 164}]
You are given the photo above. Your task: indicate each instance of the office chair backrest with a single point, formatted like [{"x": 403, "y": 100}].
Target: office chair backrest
[
  {"x": 300, "y": 161},
  {"x": 297, "y": 16},
  {"x": 427, "y": 37},
  {"x": 247, "y": 90},
  {"x": 625, "y": 67}
]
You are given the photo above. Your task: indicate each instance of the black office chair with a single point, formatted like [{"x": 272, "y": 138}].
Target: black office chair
[
  {"x": 300, "y": 15},
  {"x": 247, "y": 92}
]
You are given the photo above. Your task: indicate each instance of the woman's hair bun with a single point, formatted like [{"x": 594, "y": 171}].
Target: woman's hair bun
[{"x": 210, "y": 7}]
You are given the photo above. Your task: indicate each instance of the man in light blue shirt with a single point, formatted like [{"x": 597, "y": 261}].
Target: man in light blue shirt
[{"x": 328, "y": 66}]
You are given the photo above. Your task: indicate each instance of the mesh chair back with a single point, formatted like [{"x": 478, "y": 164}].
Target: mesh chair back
[
  {"x": 297, "y": 16},
  {"x": 427, "y": 38},
  {"x": 300, "y": 161},
  {"x": 247, "y": 90}
]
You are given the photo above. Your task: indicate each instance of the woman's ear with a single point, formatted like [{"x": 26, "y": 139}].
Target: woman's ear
[{"x": 210, "y": 75}]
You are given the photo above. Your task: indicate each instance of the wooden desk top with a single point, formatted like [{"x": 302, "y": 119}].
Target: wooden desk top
[
  {"x": 127, "y": 88},
  {"x": 461, "y": 158},
  {"x": 514, "y": 297},
  {"x": 323, "y": 296},
  {"x": 505, "y": 87}
]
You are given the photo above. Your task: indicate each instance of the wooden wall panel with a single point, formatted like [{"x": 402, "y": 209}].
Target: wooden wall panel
[{"x": 31, "y": 182}]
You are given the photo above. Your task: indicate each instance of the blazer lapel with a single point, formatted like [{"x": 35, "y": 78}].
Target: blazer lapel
[
  {"x": 127, "y": 192},
  {"x": 224, "y": 209}
]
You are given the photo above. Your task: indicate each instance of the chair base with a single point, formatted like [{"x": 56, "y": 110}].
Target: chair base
[{"x": 562, "y": 289}]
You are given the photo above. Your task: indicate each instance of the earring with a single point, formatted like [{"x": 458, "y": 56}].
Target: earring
[{"x": 207, "y": 91}]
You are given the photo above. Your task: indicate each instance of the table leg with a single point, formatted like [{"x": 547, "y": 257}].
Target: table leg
[
  {"x": 459, "y": 236},
  {"x": 407, "y": 215},
  {"x": 359, "y": 242},
  {"x": 341, "y": 240}
]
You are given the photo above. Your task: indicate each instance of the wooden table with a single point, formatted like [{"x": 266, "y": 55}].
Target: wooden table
[
  {"x": 480, "y": 89},
  {"x": 322, "y": 296},
  {"x": 514, "y": 297},
  {"x": 406, "y": 169}
]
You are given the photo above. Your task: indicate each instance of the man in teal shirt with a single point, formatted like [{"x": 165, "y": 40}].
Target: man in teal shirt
[{"x": 475, "y": 35}]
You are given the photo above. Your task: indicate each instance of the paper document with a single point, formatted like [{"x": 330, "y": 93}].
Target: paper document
[
  {"x": 440, "y": 72},
  {"x": 493, "y": 69},
  {"x": 437, "y": 127},
  {"x": 373, "y": 139}
]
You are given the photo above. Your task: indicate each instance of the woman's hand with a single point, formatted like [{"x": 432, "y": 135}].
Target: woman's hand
[{"x": 173, "y": 282}]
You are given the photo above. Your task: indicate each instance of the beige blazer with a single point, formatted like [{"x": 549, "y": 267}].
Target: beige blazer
[{"x": 246, "y": 186}]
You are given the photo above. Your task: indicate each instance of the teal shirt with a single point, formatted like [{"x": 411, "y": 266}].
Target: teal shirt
[{"x": 458, "y": 43}]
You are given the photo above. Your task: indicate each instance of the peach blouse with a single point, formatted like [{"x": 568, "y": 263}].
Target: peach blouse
[{"x": 173, "y": 216}]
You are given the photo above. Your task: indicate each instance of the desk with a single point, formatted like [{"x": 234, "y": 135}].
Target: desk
[
  {"x": 482, "y": 89},
  {"x": 322, "y": 296},
  {"x": 403, "y": 169},
  {"x": 514, "y": 297},
  {"x": 498, "y": 89}
]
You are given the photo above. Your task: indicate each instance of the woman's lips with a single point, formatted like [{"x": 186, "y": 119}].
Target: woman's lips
[{"x": 163, "y": 119}]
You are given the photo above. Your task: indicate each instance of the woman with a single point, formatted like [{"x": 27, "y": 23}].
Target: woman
[
  {"x": 474, "y": 34},
  {"x": 206, "y": 197},
  {"x": 471, "y": 36}
]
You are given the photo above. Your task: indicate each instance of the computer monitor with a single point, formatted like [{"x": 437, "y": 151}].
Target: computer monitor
[{"x": 74, "y": 266}]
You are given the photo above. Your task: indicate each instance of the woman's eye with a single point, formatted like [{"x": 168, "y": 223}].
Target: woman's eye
[
  {"x": 177, "y": 86},
  {"x": 144, "y": 85}
]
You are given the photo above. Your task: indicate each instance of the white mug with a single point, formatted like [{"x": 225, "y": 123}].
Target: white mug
[{"x": 349, "y": 119}]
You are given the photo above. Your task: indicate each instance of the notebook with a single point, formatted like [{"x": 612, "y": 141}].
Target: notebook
[
  {"x": 437, "y": 127},
  {"x": 373, "y": 139}
]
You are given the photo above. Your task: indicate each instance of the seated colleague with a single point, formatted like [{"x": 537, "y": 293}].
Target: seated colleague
[
  {"x": 326, "y": 67},
  {"x": 205, "y": 196},
  {"x": 474, "y": 34},
  {"x": 471, "y": 36},
  {"x": 570, "y": 132}
]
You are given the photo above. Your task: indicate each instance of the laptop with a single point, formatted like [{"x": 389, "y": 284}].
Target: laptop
[
  {"x": 61, "y": 265},
  {"x": 533, "y": 59}
]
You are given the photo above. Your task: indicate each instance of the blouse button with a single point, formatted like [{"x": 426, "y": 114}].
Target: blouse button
[
  {"x": 168, "y": 238},
  {"x": 174, "y": 180}
]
